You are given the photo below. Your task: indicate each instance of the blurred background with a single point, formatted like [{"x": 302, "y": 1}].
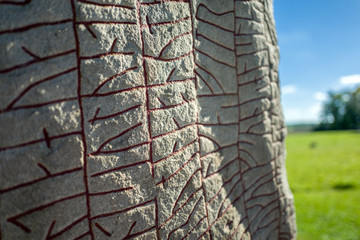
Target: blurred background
[{"x": 320, "y": 84}]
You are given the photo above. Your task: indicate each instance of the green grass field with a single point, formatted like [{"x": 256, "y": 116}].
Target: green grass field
[{"x": 324, "y": 175}]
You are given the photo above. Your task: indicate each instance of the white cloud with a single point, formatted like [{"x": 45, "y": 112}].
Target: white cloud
[
  {"x": 350, "y": 79},
  {"x": 303, "y": 114},
  {"x": 288, "y": 89},
  {"x": 320, "y": 96},
  {"x": 292, "y": 115},
  {"x": 315, "y": 110}
]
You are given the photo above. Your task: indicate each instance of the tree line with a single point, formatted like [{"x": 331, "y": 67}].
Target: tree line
[{"x": 341, "y": 111}]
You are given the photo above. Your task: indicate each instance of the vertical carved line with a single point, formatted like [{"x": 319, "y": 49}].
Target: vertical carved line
[
  {"x": 140, "y": 25},
  {"x": 239, "y": 123},
  {"x": 83, "y": 139},
  {"x": 277, "y": 158},
  {"x": 197, "y": 116}
]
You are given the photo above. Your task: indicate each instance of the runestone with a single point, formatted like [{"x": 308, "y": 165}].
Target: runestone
[{"x": 141, "y": 119}]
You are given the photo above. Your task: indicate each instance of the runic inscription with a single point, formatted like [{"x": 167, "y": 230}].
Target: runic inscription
[{"x": 142, "y": 119}]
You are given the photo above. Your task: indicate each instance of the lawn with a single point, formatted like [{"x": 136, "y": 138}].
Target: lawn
[{"x": 324, "y": 175}]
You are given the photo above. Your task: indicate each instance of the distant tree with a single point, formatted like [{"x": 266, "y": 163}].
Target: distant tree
[
  {"x": 341, "y": 111},
  {"x": 352, "y": 110}
]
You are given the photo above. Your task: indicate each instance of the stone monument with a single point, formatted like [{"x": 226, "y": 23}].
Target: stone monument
[{"x": 148, "y": 119}]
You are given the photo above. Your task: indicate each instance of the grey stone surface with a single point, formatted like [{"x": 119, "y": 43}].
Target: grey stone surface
[{"x": 141, "y": 119}]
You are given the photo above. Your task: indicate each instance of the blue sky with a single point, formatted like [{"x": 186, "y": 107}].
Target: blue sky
[{"x": 319, "y": 51}]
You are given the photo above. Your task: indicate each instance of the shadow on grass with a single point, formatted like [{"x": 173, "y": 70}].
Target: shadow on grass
[
  {"x": 343, "y": 186},
  {"x": 339, "y": 186}
]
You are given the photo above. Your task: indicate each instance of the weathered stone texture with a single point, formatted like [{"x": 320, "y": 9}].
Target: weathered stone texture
[{"x": 141, "y": 119}]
